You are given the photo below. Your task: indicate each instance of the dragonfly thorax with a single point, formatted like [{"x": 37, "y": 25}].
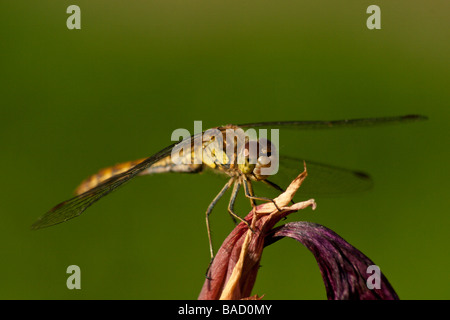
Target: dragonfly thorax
[{"x": 241, "y": 155}]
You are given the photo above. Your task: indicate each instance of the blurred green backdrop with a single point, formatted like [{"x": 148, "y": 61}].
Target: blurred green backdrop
[{"x": 75, "y": 101}]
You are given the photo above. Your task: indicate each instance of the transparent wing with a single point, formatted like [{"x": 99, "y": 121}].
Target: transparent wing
[
  {"x": 325, "y": 179},
  {"x": 322, "y": 179},
  {"x": 74, "y": 207},
  {"x": 365, "y": 122}
]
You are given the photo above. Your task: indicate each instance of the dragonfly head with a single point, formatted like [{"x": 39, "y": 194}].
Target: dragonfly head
[{"x": 259, "y": 158}]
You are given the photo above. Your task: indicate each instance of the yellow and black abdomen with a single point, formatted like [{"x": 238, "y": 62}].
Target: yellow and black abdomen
[
  {"x": 161, "y": 166},
  {"x": 104, "y": 175}
]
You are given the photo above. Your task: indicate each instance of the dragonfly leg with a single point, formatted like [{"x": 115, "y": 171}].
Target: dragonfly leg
[
  {"x": 236, "y": 187},
  {"x": 248, "y": 189},
  {"x": 233, "y": 197},
  {"x": 209, "y": 210}
]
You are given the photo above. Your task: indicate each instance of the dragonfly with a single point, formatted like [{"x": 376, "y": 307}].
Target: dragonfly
[{"x": 240, "y": 166}]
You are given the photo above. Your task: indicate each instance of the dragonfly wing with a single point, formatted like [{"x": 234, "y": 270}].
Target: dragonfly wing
[
  {"x": 75, "y": 206},
  {"x": 364, "y": 122},
  {"x": 323, "y": 179}
]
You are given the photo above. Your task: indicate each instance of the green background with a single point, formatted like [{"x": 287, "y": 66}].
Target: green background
[{"x": 75, "y": 101}]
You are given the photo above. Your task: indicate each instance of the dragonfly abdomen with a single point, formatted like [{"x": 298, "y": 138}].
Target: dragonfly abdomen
[
  {"x": 162, "y": 166},
  {"x": 104, "y": 175}
]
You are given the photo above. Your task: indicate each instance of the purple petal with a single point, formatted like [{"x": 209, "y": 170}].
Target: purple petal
[{"x": 344, "y": 268}]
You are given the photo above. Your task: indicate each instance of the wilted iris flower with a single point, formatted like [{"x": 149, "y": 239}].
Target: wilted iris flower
[{"x": 344, "y": 268}]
